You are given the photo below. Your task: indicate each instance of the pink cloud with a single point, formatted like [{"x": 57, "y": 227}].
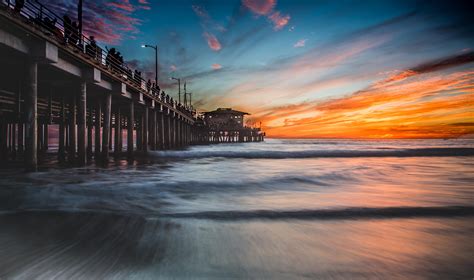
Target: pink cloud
[
  {"x": 216, "y": 66},
  {"x": 266, "y": 8},
  {"x": 123, "y": 5},
  {"x": 301, "y": 43},
  {"x": 260, "y": 7},
  {"x": 279, "y": 21},
  {"x": 212, "y": 42},
  {"x": 143, "y": 2},
  {"x": 173, "y": 67}
]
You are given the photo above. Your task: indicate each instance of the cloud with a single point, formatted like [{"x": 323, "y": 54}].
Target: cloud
[
  {"x": 207, "y": 24},
  {"x": 260, "y": 7},
  {"x": 212, "y": 41},
  {"x": 266, "y": 8},
  {"x": 216, "y": 66},
  {"x": 108, "y": 22},
  {"x": 431, "y": 66},
  {"x": 279, "y": 21},
  {"x": 425, "y": 103},
  {"x": 301, "y": 43},
  {"x": 173, "y": 68},
  {"x": 123, "y": 5}
]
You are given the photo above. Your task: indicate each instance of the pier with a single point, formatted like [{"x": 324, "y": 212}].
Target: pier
[{"x": 50, "y": 77}]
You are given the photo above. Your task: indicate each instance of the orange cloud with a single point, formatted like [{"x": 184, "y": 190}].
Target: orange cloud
[
  {"x": 212, "y": 42},
  {"x": 416, "y": 106},
  {"x": 266, "y": 8},
  {"x": 279, "y": 21},
  {"x": 260, "y": 7},
  {"x": 216, "y": 66}
]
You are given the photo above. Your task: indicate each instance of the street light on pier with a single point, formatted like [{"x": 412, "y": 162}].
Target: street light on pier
[
  {"x": 179, "y": 88},
  {"x": 156, "y": 60}
]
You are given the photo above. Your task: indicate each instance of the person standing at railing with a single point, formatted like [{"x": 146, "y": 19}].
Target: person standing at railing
[
  {"x": 74, "y": 33},
  {"x": 19, "y": 5},
  {"x": 92, "y": 48},
  {"x": 67, "y": 28}
]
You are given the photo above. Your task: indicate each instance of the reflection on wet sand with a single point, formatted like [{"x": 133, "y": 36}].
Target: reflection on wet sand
[
  {"x": 199, "y": 214},
  {"x": 47, "y": 245}
]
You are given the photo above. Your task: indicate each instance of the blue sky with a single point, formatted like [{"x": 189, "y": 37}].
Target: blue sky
[{"x": 262, "y": 55}]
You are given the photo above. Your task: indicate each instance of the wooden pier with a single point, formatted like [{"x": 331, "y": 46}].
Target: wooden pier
[{"x": 85, "y": 97}]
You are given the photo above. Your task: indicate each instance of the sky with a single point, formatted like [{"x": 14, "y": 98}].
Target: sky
[{"x": 306, "y": 69}]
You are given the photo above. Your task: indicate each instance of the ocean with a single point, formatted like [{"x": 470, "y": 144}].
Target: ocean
[{"x": 280, "y": 209}]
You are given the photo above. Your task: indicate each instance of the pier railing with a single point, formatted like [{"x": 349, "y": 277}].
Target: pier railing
[{"x": 39, "y": 15}]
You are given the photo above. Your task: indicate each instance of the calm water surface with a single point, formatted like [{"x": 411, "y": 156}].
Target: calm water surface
[{"x": 283, "y": 209}]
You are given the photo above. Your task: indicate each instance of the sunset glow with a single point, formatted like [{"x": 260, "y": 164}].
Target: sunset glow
[{"x": 370, "y": 70}]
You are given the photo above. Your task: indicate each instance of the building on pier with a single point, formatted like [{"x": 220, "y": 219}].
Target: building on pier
[{"x": 227, "y": 125}]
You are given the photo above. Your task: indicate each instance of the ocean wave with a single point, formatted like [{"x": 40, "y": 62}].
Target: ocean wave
[
  {"x": 272, "y": 154},
  {"x": 331, "y": 214},
  {"x": 352, "y": 213}
]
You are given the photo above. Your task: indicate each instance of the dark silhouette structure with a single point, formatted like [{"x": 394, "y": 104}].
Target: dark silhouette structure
[{"x": 57, "y": 77}]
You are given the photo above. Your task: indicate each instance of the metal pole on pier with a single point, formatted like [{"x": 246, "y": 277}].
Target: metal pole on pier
[{"x": 79, "y": 19}]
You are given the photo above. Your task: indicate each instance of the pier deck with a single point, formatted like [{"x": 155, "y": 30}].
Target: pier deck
[{"x": 48, "y": 78}]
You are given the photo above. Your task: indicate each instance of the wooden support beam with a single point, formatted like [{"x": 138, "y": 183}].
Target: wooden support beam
[
  {"x": 167, "y": 128},
  {"x": 145, "y": 130},
  {"x": 117, "y": 132},
  {"x": 139, "y": 131},
  {"x": 161, "y": 131},
  {"x": 98, "y": 122},
  {"x": 89, "y": 133},
  {"x": 106, "y": 128},
  {"x": 31, "y": 109},
  {"x": 152, "y": 135},
  {"x": 130, "y": 125},
  {"x": 72, "y": 129},
  {"x": 62, "y": 130}
]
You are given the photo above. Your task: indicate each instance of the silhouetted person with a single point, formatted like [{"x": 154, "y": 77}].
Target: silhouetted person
[
  {"x": 148, "y": 85},
  {"x": 109, "y": 59},
  {"x": 19, "y": 5},
  {"x": 74, "y": 33},
  {"x": 67, "y": 28},
  {"x": 49, "y": 24},
  {"x": 91, "y": 48},
  {"x": 137, "y": 76}
]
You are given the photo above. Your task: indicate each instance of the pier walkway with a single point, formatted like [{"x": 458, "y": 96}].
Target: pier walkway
[{"x": 50, "y": 76}]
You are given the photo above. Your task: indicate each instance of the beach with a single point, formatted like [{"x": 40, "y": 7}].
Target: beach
[{"x": 280, "y": 209}]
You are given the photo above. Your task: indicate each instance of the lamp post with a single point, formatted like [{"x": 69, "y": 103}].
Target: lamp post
[
  {"x": 156, "y": 60},
  {"x": 79, "y": 19},
  {"x": 185, "y": 97},
  {"x": 179, "y": 88}
]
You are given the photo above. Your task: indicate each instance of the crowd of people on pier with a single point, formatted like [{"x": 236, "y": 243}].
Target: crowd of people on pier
[{"x": 69, "y": 34}]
